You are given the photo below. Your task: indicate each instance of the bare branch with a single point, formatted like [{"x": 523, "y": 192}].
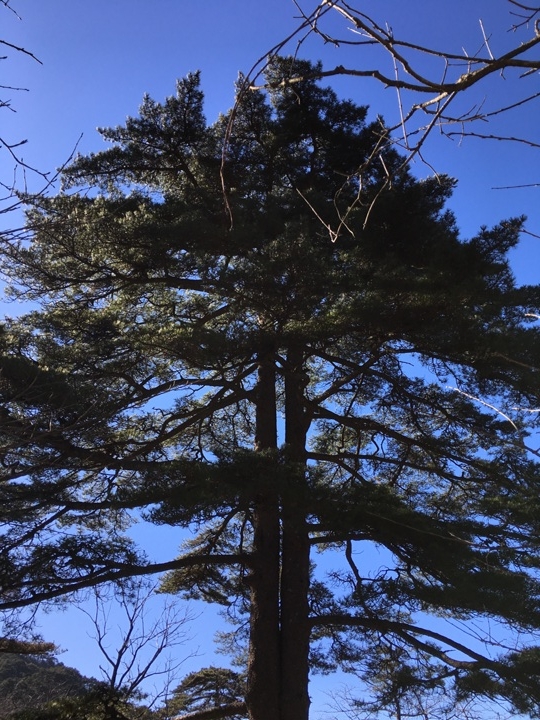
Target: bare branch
[
  {"x": 428, "y": 81},
  {"x": 20, "y": 49},
  {"x": 139, "y": 653}
]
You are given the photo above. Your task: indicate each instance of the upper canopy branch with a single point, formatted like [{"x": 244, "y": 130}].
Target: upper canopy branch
[{"x": 416, "y": 69}]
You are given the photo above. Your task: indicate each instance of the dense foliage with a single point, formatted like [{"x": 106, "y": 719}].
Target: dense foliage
[{"x": 265, "y": 331}]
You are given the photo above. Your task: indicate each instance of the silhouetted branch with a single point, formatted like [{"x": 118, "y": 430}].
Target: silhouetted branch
[{"x": 236, "y": 709}]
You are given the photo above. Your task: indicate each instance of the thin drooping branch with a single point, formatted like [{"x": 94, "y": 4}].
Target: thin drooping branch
[
  {"x": 408, "y": 631},
  {"x": 21, "y": 50}
]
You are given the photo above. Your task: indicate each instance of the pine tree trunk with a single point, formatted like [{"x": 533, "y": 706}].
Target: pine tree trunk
[
  {"x": 295, "y": 629},
  {"x": 263, "y": 685},
  {"x": 278, "y": 662}
]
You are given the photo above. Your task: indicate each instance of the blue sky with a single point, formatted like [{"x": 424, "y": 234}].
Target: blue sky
[{"x": 100, "y": 57}]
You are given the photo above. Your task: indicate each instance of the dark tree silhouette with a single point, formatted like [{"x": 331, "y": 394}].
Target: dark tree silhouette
[{"x": 203, "y": 355}]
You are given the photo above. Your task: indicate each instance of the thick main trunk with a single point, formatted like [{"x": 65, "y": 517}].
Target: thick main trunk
[
  {"x": 278, "y": 663},
  {"x": 295, "y": 629},
  {"x": 263, "y": 683}
]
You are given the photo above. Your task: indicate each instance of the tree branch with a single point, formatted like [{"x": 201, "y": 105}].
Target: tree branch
[
  {"x": 406, "y": 630},
  {"x": 236, "y": 708},
  {"x": 114, "y": 573}
]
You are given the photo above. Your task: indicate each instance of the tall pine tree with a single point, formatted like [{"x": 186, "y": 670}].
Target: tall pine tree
[{"x": 240, "y": 336}]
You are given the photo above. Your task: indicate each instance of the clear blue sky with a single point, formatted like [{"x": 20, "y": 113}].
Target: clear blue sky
[{"x": 100, "y": 57}]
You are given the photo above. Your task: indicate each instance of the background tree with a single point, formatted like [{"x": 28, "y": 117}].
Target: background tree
[
  {"x": 201, "y": 692},
  {"x": 271, "y": 393},
  {"x": 138, "y": 650},
  {"x": 392, "y": 685}
]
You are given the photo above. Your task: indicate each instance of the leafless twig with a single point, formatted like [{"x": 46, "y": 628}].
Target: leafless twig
[{"x": 136, "y": 647}]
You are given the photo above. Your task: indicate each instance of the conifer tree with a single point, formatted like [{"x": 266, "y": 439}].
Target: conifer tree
[{"x": 207, "y": 355}]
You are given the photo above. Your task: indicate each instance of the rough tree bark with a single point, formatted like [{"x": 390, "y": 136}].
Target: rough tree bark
[
  {"x": 279, "y": 631},
  {"x": 263, "y": 691},
  {"x": 295, "y": 627}
]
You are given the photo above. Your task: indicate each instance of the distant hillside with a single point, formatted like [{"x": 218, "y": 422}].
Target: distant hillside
[{"x": 28, "y": 682}]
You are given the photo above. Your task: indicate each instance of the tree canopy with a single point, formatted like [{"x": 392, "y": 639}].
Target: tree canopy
[{"x": 205, "y": 354}]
